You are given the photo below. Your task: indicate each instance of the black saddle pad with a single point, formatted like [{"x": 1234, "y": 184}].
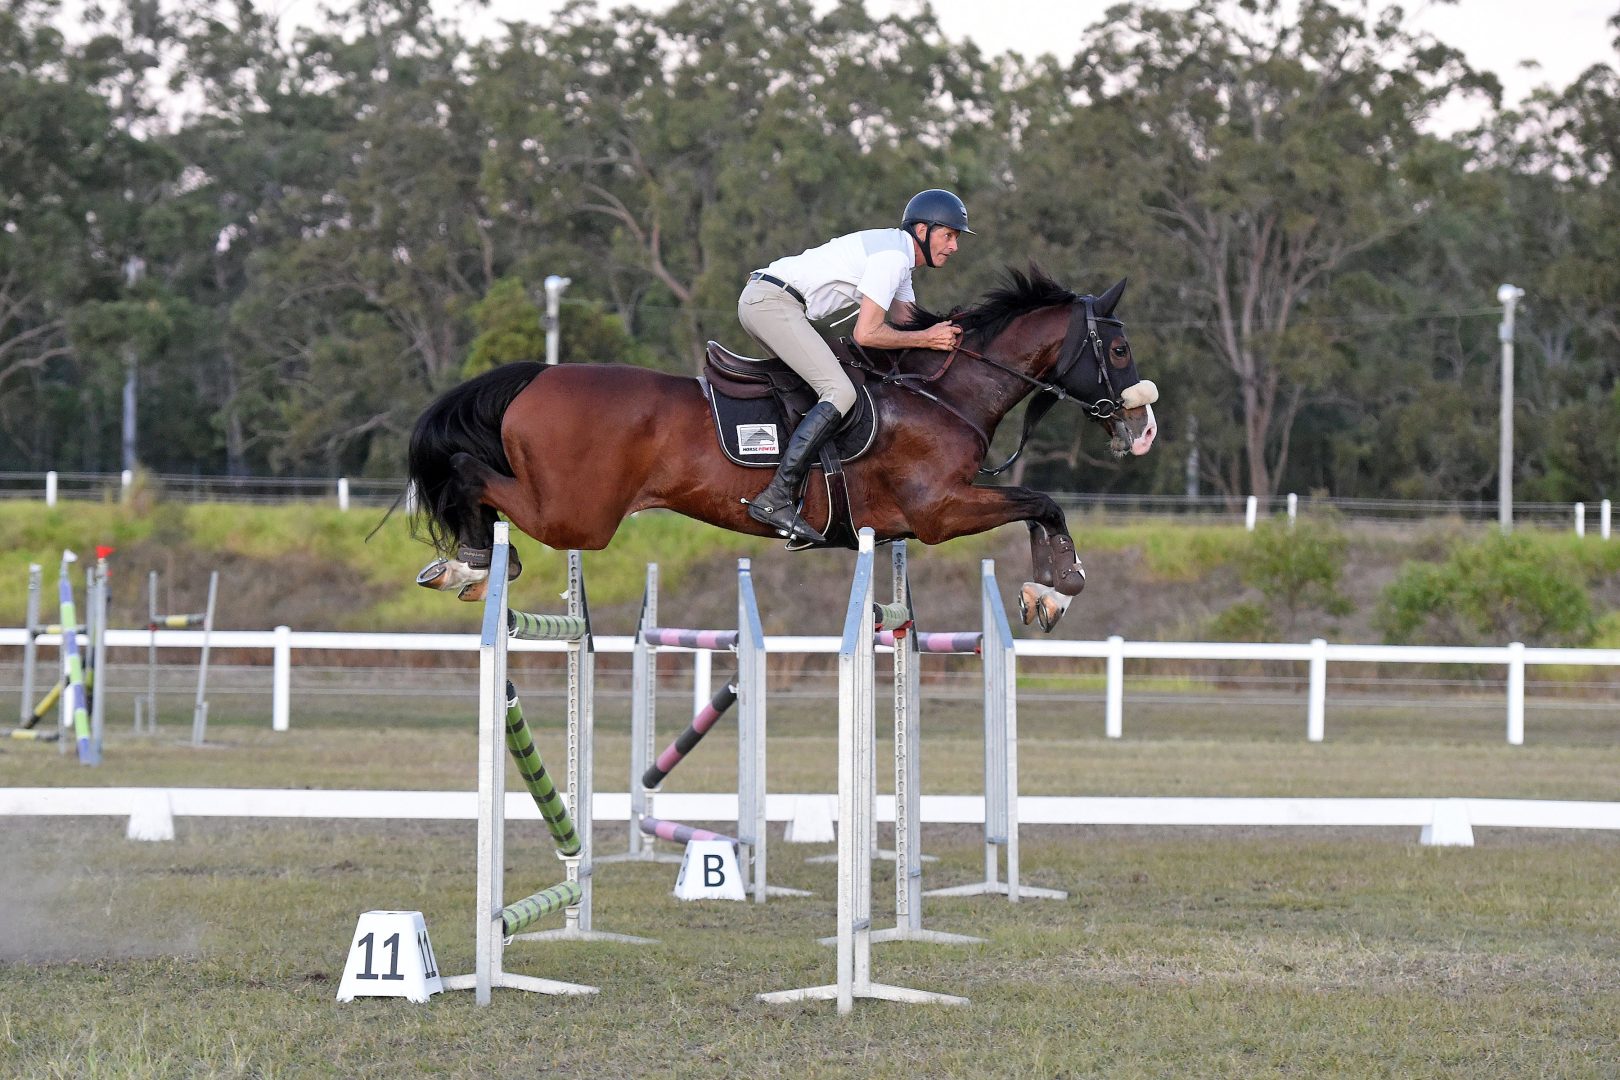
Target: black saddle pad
[{"x": 754, "y": 431}]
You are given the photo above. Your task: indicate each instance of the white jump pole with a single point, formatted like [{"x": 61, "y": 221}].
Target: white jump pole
[
  {"x": 580, "y": 762},
  {"x": 36, "y": 579},
  {"x": 857, "y": 788},
  {"x": 1000, "y": 754},
  {"x": 908, "y": 857},
  {"x": 199, "y": 712},
  {"x": 748, "y": 645},
  {"x": 574, "y": 628}
]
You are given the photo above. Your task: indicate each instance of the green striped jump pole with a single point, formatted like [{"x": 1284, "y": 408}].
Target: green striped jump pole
[
  {"x": 520, "y": 742},
  {"x": 531, "y": 627},
  {"x": 88, "y": 754},
  {"x": 515, "y": 918},
  {"x": 891, "y": 616}
]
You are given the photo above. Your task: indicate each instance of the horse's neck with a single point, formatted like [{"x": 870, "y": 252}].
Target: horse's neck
[
  {"x": 984, "y": 392},
  {"x": 978, "y": 391}
]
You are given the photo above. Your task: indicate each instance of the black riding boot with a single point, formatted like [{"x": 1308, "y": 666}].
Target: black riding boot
[{"x": 776, "y": 506}]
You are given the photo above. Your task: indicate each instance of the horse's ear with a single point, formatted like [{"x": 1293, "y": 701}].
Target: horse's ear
[{"x": 1108, "y": 301}]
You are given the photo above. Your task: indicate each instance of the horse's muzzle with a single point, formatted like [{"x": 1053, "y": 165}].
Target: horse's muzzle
[{"x": 1133, "y": 432}]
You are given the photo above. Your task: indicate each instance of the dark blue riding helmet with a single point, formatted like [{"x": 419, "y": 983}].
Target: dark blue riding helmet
[{"x": 935, "y": 207}]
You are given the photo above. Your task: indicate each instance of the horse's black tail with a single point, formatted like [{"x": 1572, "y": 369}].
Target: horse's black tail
[{"x": 465, "y": 420}]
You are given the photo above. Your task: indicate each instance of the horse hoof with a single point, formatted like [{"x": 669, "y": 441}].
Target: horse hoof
[
  {"x": 447, "y": 574},
  {"x": 1028, "y": 597},
  {"x": 1042, "y": 605},
  {"x": 432, "y": 575},
  {"x": 475, "y": 592},
  {"x": 1051, "y": 609}
]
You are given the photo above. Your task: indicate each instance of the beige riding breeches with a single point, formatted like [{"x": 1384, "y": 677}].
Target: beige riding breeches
[{"x": 777, "y": 321}]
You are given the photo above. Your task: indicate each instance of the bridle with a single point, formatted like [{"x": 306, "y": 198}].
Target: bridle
[{"x": 1082, "y": 331}]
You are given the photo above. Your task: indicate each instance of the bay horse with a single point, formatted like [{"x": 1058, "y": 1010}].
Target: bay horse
[{"x": 566, "y": 452}]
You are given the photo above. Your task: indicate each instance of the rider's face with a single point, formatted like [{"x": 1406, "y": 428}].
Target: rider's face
[{"x": 941, "y": 242}]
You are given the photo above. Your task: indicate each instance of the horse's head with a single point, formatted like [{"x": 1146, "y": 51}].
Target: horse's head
[
  {"x": 1032, "y": 334},
  {"x": 1094, "y": 366}
]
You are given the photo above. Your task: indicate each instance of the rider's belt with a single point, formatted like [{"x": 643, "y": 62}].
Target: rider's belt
[{"x": 760, "y": 275}]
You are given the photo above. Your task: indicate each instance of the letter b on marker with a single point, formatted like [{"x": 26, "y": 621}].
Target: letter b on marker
[{"x": 709, "y": 872}]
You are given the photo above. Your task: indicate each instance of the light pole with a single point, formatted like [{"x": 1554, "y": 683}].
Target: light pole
[
  {"x": 1507, "y": 296},
  {"x": 134, "y": 270},
  {"x": 554, "y": 290}
]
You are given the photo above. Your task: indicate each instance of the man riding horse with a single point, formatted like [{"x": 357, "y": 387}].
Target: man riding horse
[
  {"x": 567, "y": 452},
  {"x": 871, "y": 269}
]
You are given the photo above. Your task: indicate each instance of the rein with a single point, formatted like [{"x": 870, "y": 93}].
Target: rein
[{"x": 1047, "y": 392}]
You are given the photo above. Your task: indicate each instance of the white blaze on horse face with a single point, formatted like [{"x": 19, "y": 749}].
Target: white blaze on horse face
[{"x": 1144, "y": 441}]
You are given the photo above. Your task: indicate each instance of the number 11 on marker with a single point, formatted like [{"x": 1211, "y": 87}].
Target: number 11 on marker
[
  {"x": 430, "y": 966},
  {"x": 391, "y": 943}
]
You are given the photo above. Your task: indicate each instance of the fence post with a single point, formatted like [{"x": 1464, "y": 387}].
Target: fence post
[
  {"x": 1115, "y": 719},
  {"x": 1250, "y": 512},
  {"x": 281, "y": 681},
  {"x": 1316, "y": 721},
  {"x": 1515, "y": 694},
  {"x": 1603, "y": 519},
  {"x": 1580, "y": 519},
  {"x": 1293, "y": 508},
  {"x": 50, "y": 488},
  {"x": 343, "y": 493}
]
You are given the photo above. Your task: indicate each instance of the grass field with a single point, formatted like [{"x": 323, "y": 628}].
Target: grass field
[{"x": 1181, "y": 952}]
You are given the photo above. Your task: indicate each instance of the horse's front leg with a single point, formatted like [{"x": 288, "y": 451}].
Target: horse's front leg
[{"x": 1058, "y": 575}]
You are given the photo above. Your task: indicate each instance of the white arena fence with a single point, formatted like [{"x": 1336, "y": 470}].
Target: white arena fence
[
  {"x": 1314, "y": 657},
  {"x": 380, "y": 493},
  {"x": 1442, "y": 822}
]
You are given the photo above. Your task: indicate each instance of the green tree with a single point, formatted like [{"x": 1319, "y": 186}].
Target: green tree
[
  {"x": 686, "y": 148},
  {"x": 509, "y": 328},
  {"x": 1501, "y": 589},
  {"x": 1271, "y": 145}
]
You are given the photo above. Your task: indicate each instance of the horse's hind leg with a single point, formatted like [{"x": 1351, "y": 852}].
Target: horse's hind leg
[{"x": 468, "y": 572}]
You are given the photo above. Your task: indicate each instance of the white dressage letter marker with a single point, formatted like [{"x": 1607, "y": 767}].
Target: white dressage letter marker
[
  {"x": 709, "y": 872},
  {"x": 391, "y": 957},
  {"x": 812, "y": 821}
]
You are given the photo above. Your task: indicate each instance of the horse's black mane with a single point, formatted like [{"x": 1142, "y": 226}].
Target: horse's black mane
[{"x": 1018, "y": 294}]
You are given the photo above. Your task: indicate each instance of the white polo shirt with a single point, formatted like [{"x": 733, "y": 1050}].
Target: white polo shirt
[{"x": 876, "y": 264}]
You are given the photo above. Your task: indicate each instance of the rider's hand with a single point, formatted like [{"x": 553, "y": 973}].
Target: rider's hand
[{"x": 943, "y": 336}]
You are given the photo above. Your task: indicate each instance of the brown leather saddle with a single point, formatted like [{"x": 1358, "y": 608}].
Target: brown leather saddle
[{"x": 756, "y": 404}]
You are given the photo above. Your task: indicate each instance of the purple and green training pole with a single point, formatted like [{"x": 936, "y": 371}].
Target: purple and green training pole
[
  {"x": 684, "y": 743},
  {"x": 677, "y": 833}
]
